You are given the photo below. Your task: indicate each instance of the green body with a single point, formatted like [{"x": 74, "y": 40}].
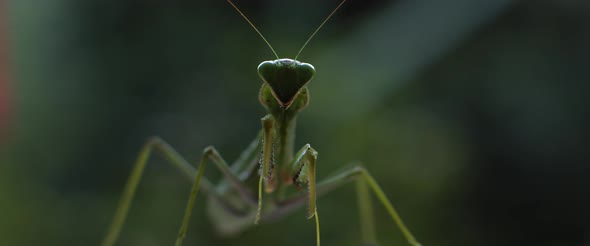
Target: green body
[
  {"x": 233, "y": 205},
  {"x": 284, "y": 94}
]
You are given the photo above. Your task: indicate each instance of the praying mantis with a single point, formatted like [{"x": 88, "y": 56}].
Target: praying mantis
[{"x": 232, "y": 204}]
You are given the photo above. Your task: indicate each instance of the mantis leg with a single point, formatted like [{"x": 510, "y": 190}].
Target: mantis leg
[
  {"x": 248, "y": 159},
  {"x": 245, "y": 164},
  {"x": 267, "y": 161},
  {"x": 364, "y": 178},
  {"x": 364, "y": 182},
  {"x": 303, "y": 167},
  {"x": 210, "y": 153},
  {"x": 176, "y": 160}
]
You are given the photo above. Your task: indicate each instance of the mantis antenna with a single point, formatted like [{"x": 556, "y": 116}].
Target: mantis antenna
[
  {"x": 316, "y": 30},
  {"x": 256, "y": 29}
]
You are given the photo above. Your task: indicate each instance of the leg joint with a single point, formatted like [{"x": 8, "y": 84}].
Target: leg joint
[
  {"x": 209, "y": 150},
  {"x": 154, "y": 140},
  {"x": 311, "y": 152},
  {"x": 359, "y": 169}
]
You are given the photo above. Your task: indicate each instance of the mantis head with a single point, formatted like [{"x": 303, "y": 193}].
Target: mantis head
[{"x": 286, "y": 78}]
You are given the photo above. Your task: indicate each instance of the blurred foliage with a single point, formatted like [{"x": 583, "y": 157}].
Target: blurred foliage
[{"x": 472, "y": 115}]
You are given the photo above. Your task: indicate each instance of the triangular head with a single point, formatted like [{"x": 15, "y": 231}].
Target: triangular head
[{"x": 286, "y": 78}]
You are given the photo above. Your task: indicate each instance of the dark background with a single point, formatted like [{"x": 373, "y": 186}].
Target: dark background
[{"x": 472, "y": 115}]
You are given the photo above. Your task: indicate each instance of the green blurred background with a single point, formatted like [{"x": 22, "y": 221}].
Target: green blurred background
[{"x": 472, "y": 115}]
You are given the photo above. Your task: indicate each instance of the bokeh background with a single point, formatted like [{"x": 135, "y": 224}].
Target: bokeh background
[{"x": 473, "y": 115}]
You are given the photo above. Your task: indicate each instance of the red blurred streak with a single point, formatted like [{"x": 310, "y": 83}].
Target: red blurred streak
[{"x": 4, "y": 87}]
